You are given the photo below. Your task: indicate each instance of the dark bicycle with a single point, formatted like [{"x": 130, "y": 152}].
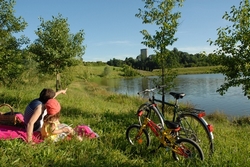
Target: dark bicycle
[
  {"x": 182, "y": 148},
  {"x": 192, "y": 122}
]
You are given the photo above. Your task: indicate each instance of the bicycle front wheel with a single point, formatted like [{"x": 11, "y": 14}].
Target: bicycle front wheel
[
  {"x": 186, "y": 149},
  {"x": 192, "y": 127},
  {"x": 136, "y": 138}
]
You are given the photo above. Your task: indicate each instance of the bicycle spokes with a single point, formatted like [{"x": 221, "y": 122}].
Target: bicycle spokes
[
  {"x": 138, "y": 138},
  {"x": 183, "y": 151}
]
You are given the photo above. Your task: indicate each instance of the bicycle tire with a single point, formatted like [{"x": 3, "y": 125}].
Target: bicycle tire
[
  {"x": 187, "y": 149},
  {"x": 195, "y": 128},
  {"x": 151, "y": 112},
  {"x": 145, "y": 111},
  {"x": 140, "y": 141}
]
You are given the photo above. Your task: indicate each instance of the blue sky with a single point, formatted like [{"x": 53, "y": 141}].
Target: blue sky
[{"x": 112, "y": 30}]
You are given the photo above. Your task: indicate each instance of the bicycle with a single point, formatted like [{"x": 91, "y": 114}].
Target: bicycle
[
  {"x": 182, "y": 148},
  {"x": 192, "y": 122}
]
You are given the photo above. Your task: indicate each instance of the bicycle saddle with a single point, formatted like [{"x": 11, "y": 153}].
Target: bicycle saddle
[
  {"x": 177, "y": 95},
  {"x": 171, "y": 125}
]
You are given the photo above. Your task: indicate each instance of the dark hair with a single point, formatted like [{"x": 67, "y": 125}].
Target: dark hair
[{"x": 46, "y": 94}]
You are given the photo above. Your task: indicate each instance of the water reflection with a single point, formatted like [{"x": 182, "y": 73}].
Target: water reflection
[{"x": 200, "y": 89}]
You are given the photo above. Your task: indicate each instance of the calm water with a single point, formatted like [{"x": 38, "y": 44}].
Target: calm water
[{"x": 200, "y": 90}]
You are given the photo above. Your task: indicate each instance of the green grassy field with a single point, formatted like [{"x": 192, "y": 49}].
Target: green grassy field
[
  {"x": 115, "y": 71},
  {"x": 109, "y": 115}
]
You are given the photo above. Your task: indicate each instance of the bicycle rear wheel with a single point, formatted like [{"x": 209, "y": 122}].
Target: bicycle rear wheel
[
  {"x": 186, "y": 149},
  {"x": 194, "y": 128},
  {"x": 140, "y": 140},
  {"x": 146, "y": 110}
]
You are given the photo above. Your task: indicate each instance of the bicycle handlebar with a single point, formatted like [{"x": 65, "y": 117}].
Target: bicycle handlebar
[{"x": 152, "y": 89}]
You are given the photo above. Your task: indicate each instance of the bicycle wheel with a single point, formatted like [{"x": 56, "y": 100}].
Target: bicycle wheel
[
  {"x": 146, "y": 110},
  {"x": 187, "y": 149},
  {"x": 143, "y": 112},
  {"x": 195, "y": 128},
  {"x": 139, "y": 140}
]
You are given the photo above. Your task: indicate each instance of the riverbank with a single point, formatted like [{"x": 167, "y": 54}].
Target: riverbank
[
  {"x": 116, "y": 72},
  {"x": 191, "y": 70}
]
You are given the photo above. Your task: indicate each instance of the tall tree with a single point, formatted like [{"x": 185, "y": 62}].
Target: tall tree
[
  {"x": 56, "y": 48},
  {"x": 160, "y": 13},
  {"x": 233, "y": 51},
  {"x": 11, "y": 57}
]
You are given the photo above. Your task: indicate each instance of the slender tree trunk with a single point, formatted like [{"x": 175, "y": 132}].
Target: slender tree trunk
[
  {"x": 58, "y": 82},
  {"x": 163, "y": 82}
]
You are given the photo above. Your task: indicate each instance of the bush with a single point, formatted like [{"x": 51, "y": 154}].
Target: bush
[
  {"x": 244, "y": 120},
  {"x": 106, "y": 72},
  {"x": 129, "y": 71}
]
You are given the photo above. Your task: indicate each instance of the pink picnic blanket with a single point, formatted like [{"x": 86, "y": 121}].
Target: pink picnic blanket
[{"x": 12, "y": 132}]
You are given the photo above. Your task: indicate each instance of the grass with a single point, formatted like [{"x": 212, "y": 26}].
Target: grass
[
  {"x": 109, "y": 115},
  {"x": 196, "y": 70}
]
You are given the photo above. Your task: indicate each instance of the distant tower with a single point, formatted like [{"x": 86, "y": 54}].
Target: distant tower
[{"x": 144, "y": 53}]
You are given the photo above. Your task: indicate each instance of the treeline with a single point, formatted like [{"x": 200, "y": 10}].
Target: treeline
[{"x": 175, "y": 59}]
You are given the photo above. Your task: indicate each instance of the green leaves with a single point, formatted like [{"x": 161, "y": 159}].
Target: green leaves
[
  {"x": 160, "y": 13},
  {"x": 233, "y": 44},
  {"x": 12, "y": 62},
  {"x": 56, "y": 48}
]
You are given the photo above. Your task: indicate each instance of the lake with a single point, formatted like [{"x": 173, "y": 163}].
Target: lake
[{"x": 200, "y": 90}]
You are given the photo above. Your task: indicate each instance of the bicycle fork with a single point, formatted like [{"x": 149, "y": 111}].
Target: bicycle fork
[
  {"x": 138, "y": 136},
  {"x": 153, "y": 127}
]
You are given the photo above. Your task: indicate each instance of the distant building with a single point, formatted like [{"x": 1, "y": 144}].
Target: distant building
[
  {"x": 144, "y": 52},
  {"x": 143, "y": 55}
]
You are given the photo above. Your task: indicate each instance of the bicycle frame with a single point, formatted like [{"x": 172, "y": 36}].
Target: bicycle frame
[{"x": 165, "y": 137}]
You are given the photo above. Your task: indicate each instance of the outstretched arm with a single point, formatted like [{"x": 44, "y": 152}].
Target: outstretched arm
[{"x": 61, "y": 92}]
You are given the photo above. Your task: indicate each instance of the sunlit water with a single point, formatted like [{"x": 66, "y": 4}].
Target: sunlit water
[{"x": 200, "y": 90}]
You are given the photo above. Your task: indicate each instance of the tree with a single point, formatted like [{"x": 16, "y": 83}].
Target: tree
[
  {"x": 12, "y": 62},
  {"x": 56, "y": 48},
  {"x": 233, "y": 53},
  {"x": 159, "y": 12},
  {"x": 130, "y": 61}
]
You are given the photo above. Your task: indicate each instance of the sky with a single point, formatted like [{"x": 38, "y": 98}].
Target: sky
[{"x": 112, "y": 30}]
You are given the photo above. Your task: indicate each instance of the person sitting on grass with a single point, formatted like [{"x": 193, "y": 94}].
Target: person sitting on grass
[
  {"x": 35, "y": 111},
  {"x": 52, "y": 129}
]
